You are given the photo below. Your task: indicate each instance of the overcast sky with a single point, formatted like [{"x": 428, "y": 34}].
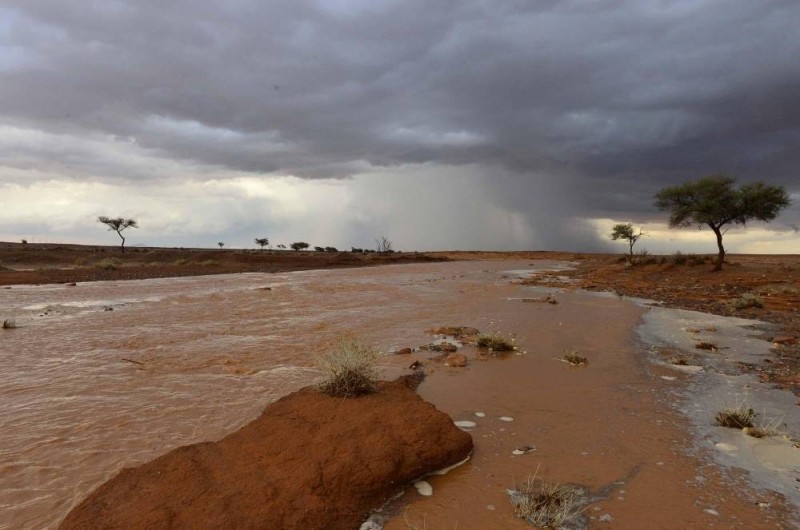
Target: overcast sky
[{"x": 467, "y": 124}]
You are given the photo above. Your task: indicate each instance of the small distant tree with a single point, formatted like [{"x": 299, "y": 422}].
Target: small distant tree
[
  {"x": 383, "y": 244},
  {"x": 221, "y": 244},
  {"x": 262, "y": 242},
  {"x": 299, "y": 245},
  {"x": 626, "y": 232},
  {"x": 331, "y": 249},
  {"x": 715, "y": 202},
  {"x": 319, "y": 249},
  {"x": 282, "y": 246},
  {"x": 118, "y": 224}
]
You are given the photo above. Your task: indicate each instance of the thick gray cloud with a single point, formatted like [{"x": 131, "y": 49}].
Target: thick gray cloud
[{"x": 596, "y": 104}]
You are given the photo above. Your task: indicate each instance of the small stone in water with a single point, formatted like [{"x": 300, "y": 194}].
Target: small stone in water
[
  {"x": 506, "y": 418},
  {"x": 465, "y": 424},
  {"x": 424, "y": 488},
  {"x": 480, "y": 414}
]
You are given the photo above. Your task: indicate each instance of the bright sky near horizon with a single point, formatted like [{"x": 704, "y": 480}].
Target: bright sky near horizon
[{"x": 465, "y": 124}]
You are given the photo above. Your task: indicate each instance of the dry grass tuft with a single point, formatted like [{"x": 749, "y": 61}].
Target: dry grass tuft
[
  {"x": 495, "y": 342},
  {"x": 737, "y": 417},
  {"x": 747, "y": 301},
  {"x": 9, "y": 323},
  {"x": 574, "y": 359},
  {"x": 545, "y": 504},
  {"x": 349, "y": 369},
  {"x": 108, "y": 264},
  {"x": 679, "y": 360},
  {"x": 705, "y": 345}
]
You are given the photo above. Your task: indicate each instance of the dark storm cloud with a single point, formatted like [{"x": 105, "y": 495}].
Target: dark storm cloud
[{"x": 610, "y": 98}]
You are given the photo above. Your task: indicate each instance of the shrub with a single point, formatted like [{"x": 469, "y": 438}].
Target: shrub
[
  {"x": 108, "y": 264},
  {"x": 348, "y": 369},
  {"x": 494, "y": 342},
  {"x": 737, "y": 417},
  {"x": 574, "y": 359},
  {"x": 747, "y": 301},
  {"x": 547, "y": 505}
]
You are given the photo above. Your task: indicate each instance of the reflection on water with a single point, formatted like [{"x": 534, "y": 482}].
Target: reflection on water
[{"x": 112, "y": 374}]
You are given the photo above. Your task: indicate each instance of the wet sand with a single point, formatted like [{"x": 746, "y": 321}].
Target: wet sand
[{"x": 87, "y": 391}]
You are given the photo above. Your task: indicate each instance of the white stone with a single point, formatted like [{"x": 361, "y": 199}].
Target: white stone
[
  {"x": 465, "y": 424},
  {"x": 506, "y": 418},
  {"x": 480, "y": 414},
  {"x": 424, "y": 488},
  {"x": 726, "y": 448},
  {"x": 606, "y": 518},
  {"x": 375, "y": 522},
  {"x": 710, "y": 511}
]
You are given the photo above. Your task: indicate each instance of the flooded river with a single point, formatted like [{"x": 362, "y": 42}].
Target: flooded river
[{"x": 107, "y": 375}]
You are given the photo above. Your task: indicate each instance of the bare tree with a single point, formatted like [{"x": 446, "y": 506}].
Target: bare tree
[
  {"x": 118, "y": 224},
  {"x": 383, "y": 244}
]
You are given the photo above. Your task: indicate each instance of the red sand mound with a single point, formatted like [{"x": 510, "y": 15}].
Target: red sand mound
[{"x": 309, "y": 461}]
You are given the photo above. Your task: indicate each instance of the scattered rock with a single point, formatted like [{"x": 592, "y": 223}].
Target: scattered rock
[
  {"x": 605, "y": 518},
  {"x": 73, "y": 284},
  {"x": 465, "y": 424},
  {"x": 480, "y": 414},
  {"x": 339, "y": 458},
  {"x": 506, "y": 418},
  {"x": 784, "y": 340},
  {"x": 523, "y": 449},
  {"x": 444, "y": 347},
  {"x": 416, "y": 365},
  {"x": 108, "y": 308},
  {"x": 403, "y": 351},
  {"x": 456, "y": 360},
  {"x": 264, "y": 289},
  {"x": 454, "y": 331}
]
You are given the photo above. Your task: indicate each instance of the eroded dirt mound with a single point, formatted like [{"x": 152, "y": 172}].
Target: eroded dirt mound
[{"x": 309, "y": 461}]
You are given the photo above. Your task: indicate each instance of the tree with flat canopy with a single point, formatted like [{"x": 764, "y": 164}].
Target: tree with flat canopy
[
  {"x": 262, "y": 242},
  {"x": 625, "y": 231},
  {"x": 118, "y": 224},
  {"x": 715, "y": 201}
]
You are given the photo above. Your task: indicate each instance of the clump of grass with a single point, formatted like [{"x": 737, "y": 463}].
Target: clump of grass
[
  {"x": 747, "y": 301},
  {"x": 737, "y": 417},
  {"x": 209, "y": 263},
  {"x": 108, "y": 264},
  {"x": 348, "y": 369},
  {"x": 9, "y": 323},
  {"x": 180, "y": 262},
  {"x": 545, "y": 504},
  {"x": 705, "y": 345},
  {"x": 679, "y": 360},
  {"x": 495, "y": 342},
  {"x": 763, "y": 429},
  {"x": 574, "y": 359}
]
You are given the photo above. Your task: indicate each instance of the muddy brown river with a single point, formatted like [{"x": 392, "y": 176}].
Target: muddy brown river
[{"x": 108, "y": 375}]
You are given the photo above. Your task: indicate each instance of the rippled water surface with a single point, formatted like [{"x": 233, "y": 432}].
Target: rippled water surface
[{"x": 111, "y": 374}]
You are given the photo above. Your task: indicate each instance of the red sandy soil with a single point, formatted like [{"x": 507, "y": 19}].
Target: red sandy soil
[
  {"x": 309, "y": 461},
  {"x": 53, "y": 263}
]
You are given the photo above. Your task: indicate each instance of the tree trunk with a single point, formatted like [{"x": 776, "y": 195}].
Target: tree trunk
[
  {"x": 721, "y": 254},
  {"x": 630, "y": 259},
  {"x": 123, "y": 242}
]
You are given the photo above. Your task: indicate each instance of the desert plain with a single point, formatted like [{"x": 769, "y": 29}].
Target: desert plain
[{"x": 113, "y": 362}]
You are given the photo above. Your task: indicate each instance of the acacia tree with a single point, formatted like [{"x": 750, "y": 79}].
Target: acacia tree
[
  {"x": 715, "y": 202},
  {"x": 118, "y": 224},
  {"x": 299, "y": 245},
  {"x": 221, "y": 244},
  {"x": 625, "y": 231},
  {"x": 262, "y": 242}
]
